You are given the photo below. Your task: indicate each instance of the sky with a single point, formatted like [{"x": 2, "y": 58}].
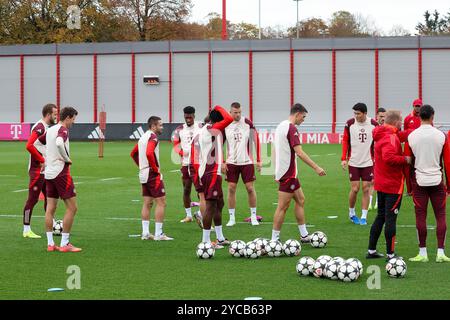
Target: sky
[{"x": 383, "y": 13}]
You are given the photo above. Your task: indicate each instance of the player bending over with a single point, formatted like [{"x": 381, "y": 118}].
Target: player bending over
[
  {"x": 287, "y": 146},
  {"x": 146, "y": 156}
]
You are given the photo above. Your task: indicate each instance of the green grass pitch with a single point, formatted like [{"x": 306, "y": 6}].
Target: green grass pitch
[{"x": 115, "y": 266}]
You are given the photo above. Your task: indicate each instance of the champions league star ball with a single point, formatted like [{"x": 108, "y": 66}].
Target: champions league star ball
[
  {"x": 292, "y": 248},
  {"x": 331, "y": 269},
  {"x": 262, "y": 243},
  {"x": 305, "y": 266},
  {"x": 205, "y": 250},
  {"x": 237, "y": 248},
  {"x": 58, "y": 228},
  {"x": 319, "y": 239},
  {"x": 274, "y": 248},
  {"x": 252, "y": 250},
  {"x": 396, "y": 268},
  {"x": 319, "y": 266},
  {"x": 348, "y": 272},
  {"x": 357, "y": 263}
]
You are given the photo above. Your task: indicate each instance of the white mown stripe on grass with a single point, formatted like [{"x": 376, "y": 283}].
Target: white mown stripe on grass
[{"x": 111, "y": 179}]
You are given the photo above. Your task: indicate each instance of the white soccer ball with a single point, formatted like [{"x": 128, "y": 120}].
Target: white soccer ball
[
  {"x": 331, "y": 269},
  {"x": 58, "y": 228},
  {"x": 292, "y": 248},
  {"x": 274, "y": 248},
  {"x": 237, "y": 248},
  {"x": 205, "y": 250},
  {"x": 305, "y": 266},
  {"x": 262, "y": 243},
  {"x": 339, "y": 259},
  {"x": 319, "y": 239},
  {"x": 252, "y": 250},
  {"x": 356, "y": 262},
  {"x": 348, "y": 272},
  {"x": 396, "y": 268},
  {"x": 319, "y": 266}
]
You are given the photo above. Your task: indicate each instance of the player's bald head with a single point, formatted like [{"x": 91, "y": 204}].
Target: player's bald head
[{"x": 392, "y": 117}]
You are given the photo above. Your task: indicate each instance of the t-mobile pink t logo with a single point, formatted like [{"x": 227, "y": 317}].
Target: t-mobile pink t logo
[{"x": 16, "y": 130}]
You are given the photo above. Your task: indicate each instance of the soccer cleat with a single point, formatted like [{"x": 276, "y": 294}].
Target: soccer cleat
[
  {"x": 224, "y": 242},
  {"x": 30, "y": 234},
  {"x": 147, "y": 236},
  {"x": 375, "y": 255},
  {"x": 216, "y": 245},
  {"x": 198, "y": 219},
  {"x": 52, "y": 248},
  {"x": 305, "y": 239},
  {"x": 195, "y": 204},
  {"x": 185, "y": 220},
  {"x": 363, "y": 221},
  {"x": 419, "y": 258},
  {"x": 231, "y": 223},
  {"x": 442, "y": 258},
  {"x": 162, "y": 237},
  {"x": 255, "y": 222},
  {"x": 69, "y": 248},
  {"x": 249, "y": 219},
  {"x": 354, "y": 219}
]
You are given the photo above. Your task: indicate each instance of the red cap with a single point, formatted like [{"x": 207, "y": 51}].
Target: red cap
[{"x": 417, "y": 102}]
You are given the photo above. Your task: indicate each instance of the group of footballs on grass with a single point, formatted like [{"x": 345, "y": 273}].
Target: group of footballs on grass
[{"x": 323, "y": 267}]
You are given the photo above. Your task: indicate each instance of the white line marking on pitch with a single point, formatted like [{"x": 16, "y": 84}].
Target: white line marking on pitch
[
  {"x": 331, "y": 154},
  {"x": 173, "y": 171},
  {"x": 21, "y": 190},
  {"x": 17, "y": 216},
  {"x": 111, "y": 179},
  {"x": 7, "y": 175}
]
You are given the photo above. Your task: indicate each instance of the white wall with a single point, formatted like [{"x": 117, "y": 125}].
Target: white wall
[
  {"x": 10, "y": 89},
  {"x": 77, "y": 85}
]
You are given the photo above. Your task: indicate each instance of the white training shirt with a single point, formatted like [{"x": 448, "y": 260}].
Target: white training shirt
[
  {"x": 54, "y": 162},
  {"x": 361, "y": 142},
  {"x": 40, "y": 128},
  {"x": 185, "y": 134},
  {"x": 286, "y": 138},
  {"x": 145, "y": 172},
  {"x": 211, "y": 157},
  {"x": 427, "y": 143},
  {"x": 240, "y": 142}
]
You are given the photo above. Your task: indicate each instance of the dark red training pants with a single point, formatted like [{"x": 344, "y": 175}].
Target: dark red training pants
[{"x": 437, "y": 195}]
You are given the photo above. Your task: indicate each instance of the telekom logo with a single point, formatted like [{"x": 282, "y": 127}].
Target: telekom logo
[{"x": 16, "y": 130}]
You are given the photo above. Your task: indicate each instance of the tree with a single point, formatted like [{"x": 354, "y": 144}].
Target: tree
[
  {"x": 243, "y": 31},
  {"x": 145, "y": 12},
  {"x": 398, "y": 31},
  {"x": 434, "y": 24},
  {"x": 344, "y": 24},
  {"x": 310, "y": 28}
]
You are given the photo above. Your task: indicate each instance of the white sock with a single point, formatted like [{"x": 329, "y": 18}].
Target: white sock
[
  {"x": 219, "y": 233},
  {"x": 26, "y": 228},
  {"x": 188, "y": 212},
  {"x": 253, "y": 213},
  {"x": 275, "y": 235},
  {"x": 145, "y": 227},
  {"x": 65, "y": 239},
  {"x": 158, "y": 228},
  {"x": 303, "y": 230},
  {"x": 372, "y": 251},
  {"x": 440, "y": 252},
  {"x": 231, "y": 212},
  {"x": 370, "y": 200},
  {"x": 50, "y": 239},
  {"x": 351, "y": 212},
  {"x": 206, "y": 236},
  {"x": 364, "y": 214},
  {"x": 423, "y": 252}
]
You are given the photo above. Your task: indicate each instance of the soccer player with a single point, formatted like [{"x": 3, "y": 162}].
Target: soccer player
[
  {"x": 287, "y": 147},
  {"x": 146, "y": 156},
  {"x": 357, "y": 149},
  {"x": 389, "y": 163},
  {"x": 58, "y": 181},
  {"x": 182, "y": 139},
  {"x": 241, "y": 134},
  {"x": 429, "y": 147},
  {"x": 36, "y": 167},
  {"x": 412, "y": 120},
  {"x": 210, "y": 144},
  {"x": 381, "y": 114}
]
